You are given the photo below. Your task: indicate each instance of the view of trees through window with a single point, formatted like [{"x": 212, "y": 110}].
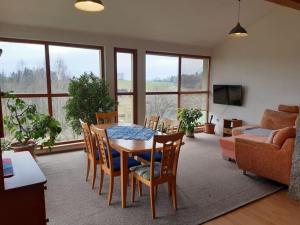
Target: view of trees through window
[
  {"x": 25, "y": 73},
  {"x": 39, "y": 73},
  {"x": 176, "y": 81}
]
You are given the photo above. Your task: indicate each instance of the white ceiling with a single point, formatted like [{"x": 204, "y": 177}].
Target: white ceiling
[{"x": 195, "y": 22}]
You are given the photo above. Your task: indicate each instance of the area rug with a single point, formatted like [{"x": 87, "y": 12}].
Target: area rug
[{"x": 207, "y": 186}]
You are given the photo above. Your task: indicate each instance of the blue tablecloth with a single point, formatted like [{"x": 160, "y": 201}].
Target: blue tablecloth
[{"x": 130, "y": 133}]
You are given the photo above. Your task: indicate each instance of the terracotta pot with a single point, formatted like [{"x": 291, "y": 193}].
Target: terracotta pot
[
  {"x": 189, "y": 133},
  {"x": 210, "y": 128},
  {"x": 30, "y": 147}
]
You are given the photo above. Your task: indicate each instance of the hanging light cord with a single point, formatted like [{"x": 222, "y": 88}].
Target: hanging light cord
[{"x": 239, "y": 11}]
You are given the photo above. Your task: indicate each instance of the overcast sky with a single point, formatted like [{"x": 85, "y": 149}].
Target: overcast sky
[{"x": 15, "y": 56}]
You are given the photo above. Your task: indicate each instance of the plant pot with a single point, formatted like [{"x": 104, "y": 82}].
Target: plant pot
[
  {"x": 189, "y": 133},
  {"x": 30, "y": 147},
  {"x": 209, "y": 128}
]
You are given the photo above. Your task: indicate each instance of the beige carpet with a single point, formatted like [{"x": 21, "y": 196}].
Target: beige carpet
[{"x": 208, "y": 186}]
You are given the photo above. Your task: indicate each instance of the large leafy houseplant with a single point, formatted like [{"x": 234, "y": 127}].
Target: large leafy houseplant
[
  {"x": 27, "y": 126},
  {"x": 88, "y": 95},
  {"x": 189, "y": 120}
]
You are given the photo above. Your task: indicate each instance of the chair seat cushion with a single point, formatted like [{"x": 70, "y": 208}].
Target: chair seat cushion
[
  {"x": 131, "y": 163},
  {"x": 113, "y": 152},
  {"x": 144, "y": 170},
  {"x": 147, "y": 156}
]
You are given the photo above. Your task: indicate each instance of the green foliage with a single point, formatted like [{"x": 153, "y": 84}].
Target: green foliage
[
  {"x": 25, "y": 123},
  {"x": 189, "y": 118},
  {"x": 88, "y": 95}
]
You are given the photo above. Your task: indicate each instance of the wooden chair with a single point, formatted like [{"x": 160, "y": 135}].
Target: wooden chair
[
  {"x": 156, "y": 173},
  {"x": 151, "y": 122},
  {"x": 92, "y": 155},
  {"x": 107, "y": 117},
  {"x": 108, "y": 165},
  {"x": 169, "y": 126}
]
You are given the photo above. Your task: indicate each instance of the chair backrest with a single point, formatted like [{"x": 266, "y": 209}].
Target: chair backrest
[
  {"x": 107, "y": 117},
  {"x": 169, "y": 126},
  {"x": 151, "y": 122},
  {"x": 103, "y": 145},
  {"x": 88, "y": 139},
  {"x": 171, "y": 144}
]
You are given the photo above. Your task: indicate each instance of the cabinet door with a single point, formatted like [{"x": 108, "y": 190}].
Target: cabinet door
[{"x": 24, "y": 205}]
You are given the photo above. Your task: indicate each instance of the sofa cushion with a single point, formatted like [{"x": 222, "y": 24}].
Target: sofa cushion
[
  {"x": 258, "y": 131},
  {"x": 283, "y": 134},
  {"x": 271, "y": 137},
  {"x": 274, "y": 120},
  {"x": 288, "y": 108}
]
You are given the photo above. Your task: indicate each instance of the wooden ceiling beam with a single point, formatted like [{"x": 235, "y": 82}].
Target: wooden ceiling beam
[{"x": 295, "y": 4}]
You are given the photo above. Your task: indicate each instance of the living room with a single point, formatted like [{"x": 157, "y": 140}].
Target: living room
[{"x": 153, "y": 58}]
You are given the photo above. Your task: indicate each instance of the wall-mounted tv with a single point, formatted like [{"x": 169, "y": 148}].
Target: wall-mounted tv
[{"x": 228, "y": 94}]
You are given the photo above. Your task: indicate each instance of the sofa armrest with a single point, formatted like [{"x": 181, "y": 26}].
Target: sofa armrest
[
  {"x": 240, "y": 130},
  {"x": 265, "y": 159}
]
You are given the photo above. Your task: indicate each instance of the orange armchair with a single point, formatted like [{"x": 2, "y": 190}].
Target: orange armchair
[{"x": 264, "y": 159}]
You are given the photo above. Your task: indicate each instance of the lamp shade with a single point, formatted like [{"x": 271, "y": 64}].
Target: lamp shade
[
  {"x": 89, "y": 5},
  {"x": 238, "y": 32}
]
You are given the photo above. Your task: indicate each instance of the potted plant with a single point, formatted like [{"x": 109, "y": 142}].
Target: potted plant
[
  {"x": 27, "y": 126},
  {"x": 189, "y": 120},
  {"x": 210, "y": 127},
  {"x": 88, "y": 94}
]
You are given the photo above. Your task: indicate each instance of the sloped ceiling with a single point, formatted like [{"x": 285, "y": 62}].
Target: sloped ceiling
[{"x": 195, "y": 22}]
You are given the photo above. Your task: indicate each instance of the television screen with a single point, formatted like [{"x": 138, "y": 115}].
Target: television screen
[{"x": 228, "y": 94}]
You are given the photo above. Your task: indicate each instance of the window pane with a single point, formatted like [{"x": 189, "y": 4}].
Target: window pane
[
  {"x": 163, "y": 105},
  {"x": 125, "y": 72},
  {"x": 198, "y": 101},
  {"x": 69, "y": 62},
  {"x": 194, "y": 74},
  {"x": 125, "y": 108},
  {"x": 161, "y": 73},
  {"x": 23, "y": 68},
  {"x": 67, "y": 133},
  {"x": 41, "y": 103}
]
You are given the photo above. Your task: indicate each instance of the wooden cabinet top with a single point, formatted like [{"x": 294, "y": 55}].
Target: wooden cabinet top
[{"x": 26, "y": 171}]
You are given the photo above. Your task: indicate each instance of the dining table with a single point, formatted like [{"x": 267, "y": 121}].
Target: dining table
[{"x": 128, "y": 147}]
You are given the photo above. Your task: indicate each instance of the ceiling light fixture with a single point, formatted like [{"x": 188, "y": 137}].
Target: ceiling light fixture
[
  {"x": 89, "y": 5},
  {"x": 238, "y": 31}
]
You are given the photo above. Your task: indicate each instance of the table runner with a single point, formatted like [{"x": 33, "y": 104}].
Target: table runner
[{"x": 130, "y": 133}]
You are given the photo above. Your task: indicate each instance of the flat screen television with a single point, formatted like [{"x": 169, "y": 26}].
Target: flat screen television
[{"x": 228, "y": 94}]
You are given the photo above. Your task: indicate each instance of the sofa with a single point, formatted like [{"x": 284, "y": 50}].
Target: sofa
[{"x": 266, "y": 149}]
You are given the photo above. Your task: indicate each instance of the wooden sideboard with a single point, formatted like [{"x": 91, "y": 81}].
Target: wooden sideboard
[
  {"x": 229, "y": 124},
  {"x": 23, "y": 201}
]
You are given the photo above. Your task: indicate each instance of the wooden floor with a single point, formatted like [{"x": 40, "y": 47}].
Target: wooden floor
[{"x": 276, "y": 209}]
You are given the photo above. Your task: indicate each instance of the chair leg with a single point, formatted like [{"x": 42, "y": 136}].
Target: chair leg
[
  {"x": 152, "y": 200},
  {"x": 101, "y": 180},
  {"x": 174, "y": 197},
  {"x": 88, "y": 169},
  {"x": 244, "y": 172},
  {"x": 156, "y": 187},
  {"x": 133, "y": 183},
  {"x": 170, "y": 188},
  {"x": 94, "y": 174},
  {"x": 111, "y": 188},
  {"x": 140, "y": 186}
]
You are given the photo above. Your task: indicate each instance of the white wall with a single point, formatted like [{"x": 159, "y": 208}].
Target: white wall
[
  {"x": 267, "y": 64},
  {"x": 109, "y": 42}
]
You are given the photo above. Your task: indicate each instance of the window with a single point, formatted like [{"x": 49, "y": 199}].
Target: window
[
  {"x": 41, "y": 71},
  {"x": 176, "y": 81},
  {"x": 125, "y": 84},
  {"x": 69, "y": 62}
]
